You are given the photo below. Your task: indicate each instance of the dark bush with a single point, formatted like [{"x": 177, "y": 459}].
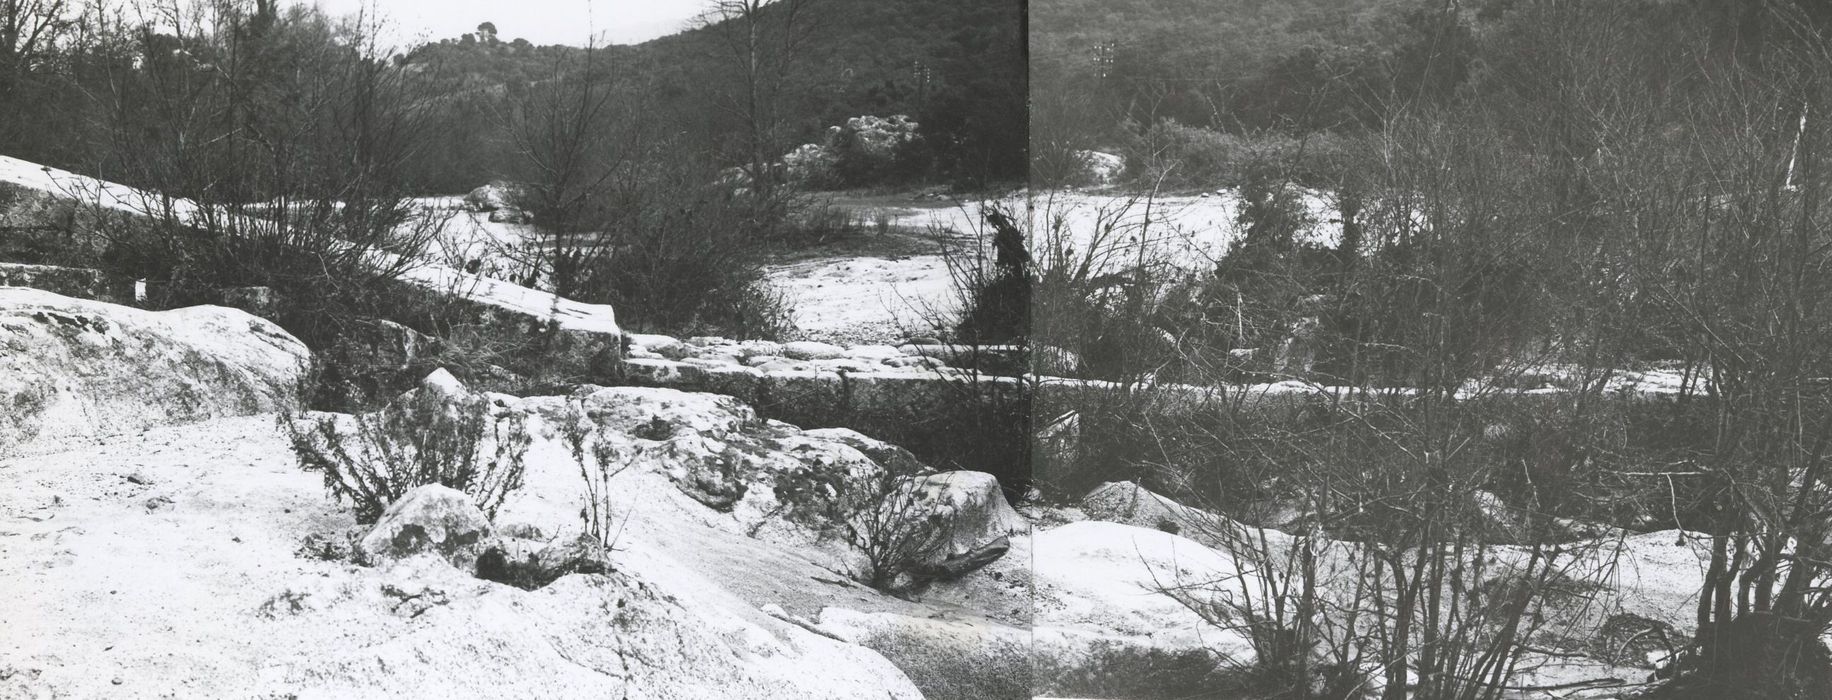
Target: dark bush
[{"x": 676, "y": 253}]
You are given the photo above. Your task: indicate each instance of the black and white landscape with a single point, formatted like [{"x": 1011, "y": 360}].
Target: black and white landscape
[{"x": 956, "y": 349}]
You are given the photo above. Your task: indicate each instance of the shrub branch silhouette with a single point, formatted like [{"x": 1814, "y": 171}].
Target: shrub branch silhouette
[{"x": 421, "y": 438}]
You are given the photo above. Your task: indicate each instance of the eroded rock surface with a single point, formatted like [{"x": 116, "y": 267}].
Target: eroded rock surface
[
  {"x": 74, "y": 370},
  {"x": 429, "y": 519}
]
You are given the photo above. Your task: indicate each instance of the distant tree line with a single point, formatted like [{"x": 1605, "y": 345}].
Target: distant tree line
[{"x": 955, "y": 66}]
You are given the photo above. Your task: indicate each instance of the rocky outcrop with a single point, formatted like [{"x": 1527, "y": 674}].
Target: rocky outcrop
[
  {"x": 1101, "y": 169},
  {"x": 973, "y": 507},
  {"x": 891, "y": 456},
  {"x": 575, "y": 339},
  {"x": 1112, "y": 618},
  {"x": 673, "y": 617},
  {"x": 72, "y": 369},
  {"x": 717, "y": 452},
  {"x": 945, "y": 415},
  {"x": 810, "y": 350},
  {"x": 492, "y": 196},
  {"x": 217, "y": 569},
  {"x": 1128, "y": 503},
  {"x": 428, "y": 519},
  {"x": 863, "y": 145}
]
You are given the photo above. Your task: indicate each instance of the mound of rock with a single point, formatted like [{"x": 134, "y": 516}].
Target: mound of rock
[
  {"x": 608, "y": 635},
  {"x": 72, "y": 369},
  {"x": 766, "y": 478},
  {"x": 1101, "y": 168},
  {"x": 492, "y": 196},
  {"x": 973, "y": 506},
  {"x": 430, "y": 518},
  {"x": 1116, "y": 610}
]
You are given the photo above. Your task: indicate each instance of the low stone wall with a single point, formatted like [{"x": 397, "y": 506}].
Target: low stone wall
[
  {"x": 949, "y": 417},
  {"x": 76, "y": 282},
  {"x": 1028, "y": 425},
  {"x": 42, "y": 227}
]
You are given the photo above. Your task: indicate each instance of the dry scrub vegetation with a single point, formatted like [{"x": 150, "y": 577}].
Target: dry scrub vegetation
[{"x": 1619, "y": 193}]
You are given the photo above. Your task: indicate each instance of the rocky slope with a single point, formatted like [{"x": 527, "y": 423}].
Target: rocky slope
[{"x": 193, "y": 556}]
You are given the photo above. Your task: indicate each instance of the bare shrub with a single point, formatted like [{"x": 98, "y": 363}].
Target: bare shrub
[
  {"x": 690, "y": 266},
  {"x": 1392, "y": 570},
  {"x": 995, "y": 289},
  {"x": 286, "y": 134},
  {"x": 423, "y": 438},
  {"x": 893, "y": 524},
  {"x": 634, "y": 225},
  {"x": 601, "y": 456},
  {"x": 1181, "y": 156},
  {"x": 881, "y": 511},
  {"x": 1099, "y": 289}
]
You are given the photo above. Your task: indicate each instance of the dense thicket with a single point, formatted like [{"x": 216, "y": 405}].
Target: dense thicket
[{"x": 1527, "y": 192}]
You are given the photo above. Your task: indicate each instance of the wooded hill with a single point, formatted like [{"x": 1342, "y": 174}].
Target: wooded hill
[{"x": 956, "y": 65}]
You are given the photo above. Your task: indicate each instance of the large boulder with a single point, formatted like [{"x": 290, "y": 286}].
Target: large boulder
[
  {"x": 429, "y": 519},
  {"x": 491, "y": 197},
  {"x": 72, "y": 369},
  {"x": 973, "y": 507},
  {"x": 1101, "y": 168}
]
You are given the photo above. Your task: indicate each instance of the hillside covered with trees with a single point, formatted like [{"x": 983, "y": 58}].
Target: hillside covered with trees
[{"x": 956, "y": 67}]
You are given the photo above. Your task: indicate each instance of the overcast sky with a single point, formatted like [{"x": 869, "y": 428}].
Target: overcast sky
[{"x": 539, "y": 21}]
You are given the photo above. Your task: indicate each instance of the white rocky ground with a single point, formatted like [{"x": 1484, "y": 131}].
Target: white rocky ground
[
  {"x": 452, "y": 280},
  {"x": 191, "y": 556},
  {"x": 867, "y": 298},
  {"x": 167, "y": 560},
  {"x": 173, "y": 560},
  {"x": 1190, "y": 230}
]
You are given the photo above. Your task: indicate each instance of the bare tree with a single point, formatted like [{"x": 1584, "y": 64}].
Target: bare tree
[
  {"x": 271, "y": 144},
  {"x": 27, "y": 29},
  {"x": 29, "y": 33},
  {"x": 762, "y": 40}
]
